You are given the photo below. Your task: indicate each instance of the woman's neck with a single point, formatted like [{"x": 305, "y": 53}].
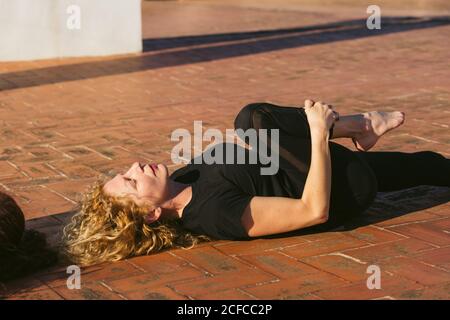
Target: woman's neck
[{"x": 180, "y": 195}]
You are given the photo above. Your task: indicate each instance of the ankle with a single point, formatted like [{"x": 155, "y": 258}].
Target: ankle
[
  {"x": 358, "y": 124},
  {"x": 363, "y": 125},
  {"x": 351, "y": 126}
]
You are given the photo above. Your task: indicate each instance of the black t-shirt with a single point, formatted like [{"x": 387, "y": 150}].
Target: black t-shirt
[{"x": 221, "y": 192}]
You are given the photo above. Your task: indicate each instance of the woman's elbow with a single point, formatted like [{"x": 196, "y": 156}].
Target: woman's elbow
[{"x": 320, "y": 216}]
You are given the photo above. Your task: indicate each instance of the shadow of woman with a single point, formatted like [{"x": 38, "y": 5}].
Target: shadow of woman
[{"x": 387, "y": 206}]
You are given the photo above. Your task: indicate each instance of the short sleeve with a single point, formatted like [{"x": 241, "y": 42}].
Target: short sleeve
[{"x": 222, "y": 216}]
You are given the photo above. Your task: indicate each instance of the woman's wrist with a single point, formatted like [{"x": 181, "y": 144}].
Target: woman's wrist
[{"x": 320, "y": 134}]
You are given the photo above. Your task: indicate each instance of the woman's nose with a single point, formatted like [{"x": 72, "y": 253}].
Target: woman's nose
[{"x": 132, "y": 169}]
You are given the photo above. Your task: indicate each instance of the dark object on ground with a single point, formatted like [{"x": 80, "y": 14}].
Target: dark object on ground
[{"x": 21, "y": 251}]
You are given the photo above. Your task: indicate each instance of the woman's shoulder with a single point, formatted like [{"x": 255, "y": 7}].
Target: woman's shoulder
[{"x": 186, "y": 174}]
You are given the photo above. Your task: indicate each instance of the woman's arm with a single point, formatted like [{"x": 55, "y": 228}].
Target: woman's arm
[
  {"x": 272, "y": 215},
  {"x": 318, "y": 182}
]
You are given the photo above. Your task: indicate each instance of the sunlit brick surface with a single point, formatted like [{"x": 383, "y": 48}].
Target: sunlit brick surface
[{"x": 64, "y": 122}]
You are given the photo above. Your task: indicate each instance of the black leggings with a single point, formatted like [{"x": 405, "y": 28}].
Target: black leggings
[{"x": 356, "y": 176}]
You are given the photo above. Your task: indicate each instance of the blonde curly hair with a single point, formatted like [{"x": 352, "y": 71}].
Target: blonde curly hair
[{"x": 108, "y": 228}]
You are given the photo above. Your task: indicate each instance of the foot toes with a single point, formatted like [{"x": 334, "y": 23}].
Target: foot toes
[{"x": 400, "y": 116}]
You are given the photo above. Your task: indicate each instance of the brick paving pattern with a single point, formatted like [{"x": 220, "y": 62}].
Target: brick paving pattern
[{"x": 65, "y": 121}]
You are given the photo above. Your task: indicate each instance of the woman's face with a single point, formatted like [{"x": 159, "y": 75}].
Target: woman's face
[{"x": 142, "y": 183}]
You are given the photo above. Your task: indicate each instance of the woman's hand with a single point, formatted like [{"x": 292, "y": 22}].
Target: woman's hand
[{"x": 320, "y": 117}]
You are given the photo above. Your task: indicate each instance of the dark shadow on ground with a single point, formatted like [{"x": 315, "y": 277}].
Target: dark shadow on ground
[
  {"x": 196, "y": 49},
  {"x": 388, "y": 23},
  {"x": 386, "y": 206}
]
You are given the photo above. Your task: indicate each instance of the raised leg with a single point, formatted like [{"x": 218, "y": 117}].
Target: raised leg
[{"x": 364, "y": 129}]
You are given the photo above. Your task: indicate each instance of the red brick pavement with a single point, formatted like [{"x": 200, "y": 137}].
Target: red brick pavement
[{"x": 63, "y": 122}]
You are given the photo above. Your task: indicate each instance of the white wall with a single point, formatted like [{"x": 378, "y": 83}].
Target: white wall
[{"x": 37, "y": 29}]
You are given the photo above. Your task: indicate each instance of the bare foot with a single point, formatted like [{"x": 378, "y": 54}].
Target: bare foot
[{"x": 377, "y": 124}]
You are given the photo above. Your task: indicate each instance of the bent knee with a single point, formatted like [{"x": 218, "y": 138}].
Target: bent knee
[{"x": 245, "y": 118}]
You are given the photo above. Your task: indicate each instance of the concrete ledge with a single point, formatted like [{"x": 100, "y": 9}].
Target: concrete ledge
[{"x": 32, "y": 29}]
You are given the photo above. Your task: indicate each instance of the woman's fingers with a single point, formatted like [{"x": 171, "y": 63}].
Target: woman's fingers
[
  {"x": 324, "y": 107},
  {"x": 309, "y": 103}
]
